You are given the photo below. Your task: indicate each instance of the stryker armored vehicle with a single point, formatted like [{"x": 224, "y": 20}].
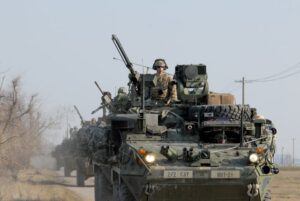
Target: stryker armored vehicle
[
  {"x": 84, "y": 168},
  {"x": 202, "y": 147},
  {"x": 57, "y": 155},
  {"x": 69, "y": 155},
  {"x": 64, "y": 156}
]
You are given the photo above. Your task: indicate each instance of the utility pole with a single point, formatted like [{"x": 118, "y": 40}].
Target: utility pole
[
  {"x": 282, "y": 149},
  {"x": 293, "y": 139},
  {"x": 243, "y": 90},
  {"x": 242, "y": 112}
]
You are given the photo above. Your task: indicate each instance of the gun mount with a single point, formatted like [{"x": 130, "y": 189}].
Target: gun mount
[{"x": 106, "y": 101}]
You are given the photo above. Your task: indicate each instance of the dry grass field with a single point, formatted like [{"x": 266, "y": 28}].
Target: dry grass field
[
  {"x": 31, "y": 185},
  {"x": 286, "y": 185}
]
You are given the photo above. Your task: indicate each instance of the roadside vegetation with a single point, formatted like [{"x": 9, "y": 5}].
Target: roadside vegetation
[
  {"x": 33, "y": 185},
  {"x": 22, "y": 125}
]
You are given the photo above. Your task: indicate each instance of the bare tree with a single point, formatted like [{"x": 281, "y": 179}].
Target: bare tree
[{"x": 21, "y": 127}]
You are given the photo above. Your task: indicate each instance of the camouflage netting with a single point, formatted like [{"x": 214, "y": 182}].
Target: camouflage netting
[
  {"x": 93, "y": 143},
  {"x": 98, "y": 144},
  {"x": 83, "y": 136}
]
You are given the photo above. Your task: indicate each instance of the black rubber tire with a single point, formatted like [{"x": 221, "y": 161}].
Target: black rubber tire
[
  {"x": 268, "y": 196},
  {"x": 231, "y": 112},
  {"x": 102, "y": 188},
  {"x": 80, "y": 172}
]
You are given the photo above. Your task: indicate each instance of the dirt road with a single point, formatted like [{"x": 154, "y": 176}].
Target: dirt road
[{"x": 86, "y": 192}]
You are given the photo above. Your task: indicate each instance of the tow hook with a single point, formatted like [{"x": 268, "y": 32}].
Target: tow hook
[
  {"x": 253, "y": 190},
  {"x": 149, "y": 189}
]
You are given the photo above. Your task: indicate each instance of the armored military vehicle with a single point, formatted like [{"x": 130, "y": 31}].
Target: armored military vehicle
[
  {"x": 57, "y": 155},
  {"x": 202, "y": 147},
  {"x": 84, "y": 167},
  {"x": 69, "y": 154},
  {"x": 63, "y": 155}
]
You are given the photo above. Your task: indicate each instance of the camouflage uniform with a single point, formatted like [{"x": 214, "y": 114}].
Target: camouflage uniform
[
  {"x": 165, "y": 90},
  {"x": 121, "y": 102}
]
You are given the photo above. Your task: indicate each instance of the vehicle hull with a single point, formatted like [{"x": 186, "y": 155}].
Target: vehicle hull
[{"x": 154, "y": 186}]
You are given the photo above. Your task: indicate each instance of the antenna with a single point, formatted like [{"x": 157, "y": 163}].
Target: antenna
[
  {"x": 141, "y": 118},
  {"x": 140, "y": 65}
]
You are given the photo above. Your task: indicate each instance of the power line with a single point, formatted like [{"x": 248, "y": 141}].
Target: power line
[
  {"x": 274, "y": 77},
  {"x": 270, "y": 78},
  {"x": 278, "y": 78}
]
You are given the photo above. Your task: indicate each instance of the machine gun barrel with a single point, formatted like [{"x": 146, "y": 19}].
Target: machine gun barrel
[
  {"x": 97, "y": 109},
  {"x": 124, "y": 56},
  {"x": 82, "y": 121},
  {"x": 97, "y": 85}
]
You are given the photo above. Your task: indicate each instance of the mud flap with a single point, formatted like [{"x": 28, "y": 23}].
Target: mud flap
[
  {"x": 121, "y": 191},
  {"x": 103, "y": 187}
]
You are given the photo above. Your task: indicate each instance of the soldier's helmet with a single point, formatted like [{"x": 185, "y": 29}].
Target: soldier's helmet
[
  {"x": 122, "y": 90},
  {"x": 159, "y": 63}
]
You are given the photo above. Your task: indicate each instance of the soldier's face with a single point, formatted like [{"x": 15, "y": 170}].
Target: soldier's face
[{"x": 160, "y": 69}]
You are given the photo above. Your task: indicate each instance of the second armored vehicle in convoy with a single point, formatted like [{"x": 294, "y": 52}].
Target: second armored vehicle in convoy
[
  {"x": 69, "y": 153},
  {"x": 202, "y": 147},
  {"x": 64, "y": 154},
  {"x": 84, "y": 167}
]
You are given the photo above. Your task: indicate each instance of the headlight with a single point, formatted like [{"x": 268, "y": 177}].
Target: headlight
[
  {"x": 150, "y": 158},
  {"x": 253, "y": 158}
]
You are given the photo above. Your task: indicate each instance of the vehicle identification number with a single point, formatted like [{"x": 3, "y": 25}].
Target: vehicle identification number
[
  {"x": 178, "y": 174},
  {"x": 225, "y": 174}
]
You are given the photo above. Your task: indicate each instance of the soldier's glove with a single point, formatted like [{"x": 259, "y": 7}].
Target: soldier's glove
[
  {"x": 173, "y": 82},
  {"x": 160, "y": 92},
  {"x": 134, "y": 78}
]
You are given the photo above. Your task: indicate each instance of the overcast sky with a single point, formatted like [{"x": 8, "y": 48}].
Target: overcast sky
[{"x": 60, "y": 47}]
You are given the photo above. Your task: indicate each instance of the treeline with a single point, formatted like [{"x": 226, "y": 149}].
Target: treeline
[{"x": 21, "y": 127}]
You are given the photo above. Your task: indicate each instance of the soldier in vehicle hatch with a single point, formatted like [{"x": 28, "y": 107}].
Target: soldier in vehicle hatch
[
  {"x": 165, "y": 90},
  {"x": 121, "y": 102}
]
